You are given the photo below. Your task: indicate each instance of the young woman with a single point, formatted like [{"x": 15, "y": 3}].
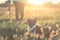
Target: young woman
[{"x": 19, "y": 5}]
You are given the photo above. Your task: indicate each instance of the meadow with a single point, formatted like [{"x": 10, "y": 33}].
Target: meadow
[{"x": 46, "y": 16}]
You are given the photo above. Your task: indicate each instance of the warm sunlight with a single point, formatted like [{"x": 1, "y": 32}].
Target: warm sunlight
[
  {"x": 41, "y": 2},
  {"x": 37, "y": 2},
  {"x": 55, "y": 1},
  {"x": 2, "y": 1}
]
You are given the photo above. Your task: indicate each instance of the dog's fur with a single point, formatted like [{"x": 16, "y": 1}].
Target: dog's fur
[{"x": 40, "y": 31}]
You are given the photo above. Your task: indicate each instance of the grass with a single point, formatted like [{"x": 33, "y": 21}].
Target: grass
[
  {"x": 7, "y": 29},
  {"x": 41, "y": 13}
]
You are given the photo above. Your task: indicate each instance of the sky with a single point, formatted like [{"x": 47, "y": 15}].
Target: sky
[
  {"x": 55, "y": 1},
  {"x": 2, "y": 1},
  {"x": 37, "y": 1},
  {"x": 43, "y": 1}
]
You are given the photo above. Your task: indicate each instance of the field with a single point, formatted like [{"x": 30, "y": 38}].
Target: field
[{"x": 46, "y": 16}]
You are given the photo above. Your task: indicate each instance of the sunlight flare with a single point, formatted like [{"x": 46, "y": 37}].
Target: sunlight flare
[
  {"x": 2, "y": 1},
  {"x": 55, "y": 1},
  {"x": 41, "y": 2},
  {"x": 37, "y": 2}
]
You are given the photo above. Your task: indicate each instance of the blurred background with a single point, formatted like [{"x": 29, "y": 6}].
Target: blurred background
[{"x": 47, "y": 13}]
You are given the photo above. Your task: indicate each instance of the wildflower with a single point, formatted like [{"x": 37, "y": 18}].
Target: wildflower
[
  {"x": 16, "y": 30},
  {"x": 14, "y": 36},
  {"x": 57, "y": 25}
]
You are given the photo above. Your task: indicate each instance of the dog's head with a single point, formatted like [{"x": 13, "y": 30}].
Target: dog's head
[{"x": 31, "y": 22}]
